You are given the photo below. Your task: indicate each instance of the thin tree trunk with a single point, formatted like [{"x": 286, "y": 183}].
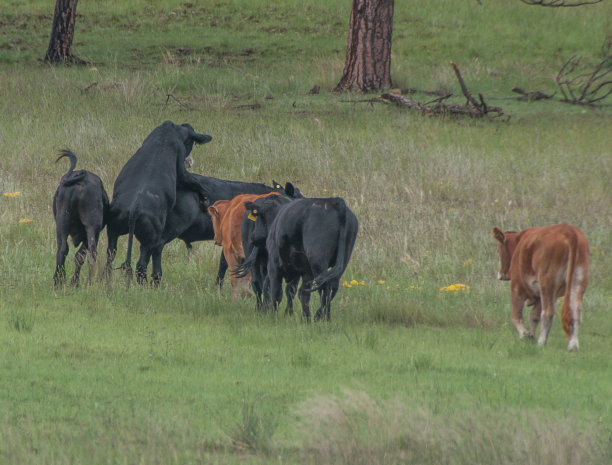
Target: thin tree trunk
[
  {"x": 368, "y": 54},
  {"x": 62, "y": 32}
]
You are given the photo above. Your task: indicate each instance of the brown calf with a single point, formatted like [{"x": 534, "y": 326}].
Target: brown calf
[
  {"x": 227, "y": 217},
  {"x": 543, "y": 264}
]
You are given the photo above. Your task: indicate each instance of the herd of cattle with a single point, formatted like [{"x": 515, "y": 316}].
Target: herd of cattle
[
  {"x": 272, "y": 233},
  {"x": 157, "y": 200}
]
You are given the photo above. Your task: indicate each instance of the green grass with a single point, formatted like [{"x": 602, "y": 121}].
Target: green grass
[{"x": 405, "y": 372}]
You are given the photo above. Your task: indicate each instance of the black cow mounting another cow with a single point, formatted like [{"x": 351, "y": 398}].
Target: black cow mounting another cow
[
  {"x": 80, "y": 208},
  {"x": 311, "y": 239},
  {"x": 145, "y": 193}
]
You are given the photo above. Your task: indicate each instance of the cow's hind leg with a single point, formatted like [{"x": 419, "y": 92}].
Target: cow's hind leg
[
  {"x": 143, "y": 264},
  {"x": 156, "y": 273},
  {"x": 221, "y": 272},
  {"x": 518, "y": 302},
  {"x": 89, "y": 252},
  {"x": 534, "y": 319},
  {"x": 275, "y": 283},
  {"x": 548, "y": 313},
  {"x": 111, "y": 250},
  {"x": 327, "y": 295},
  {"x": 572, "y": 308},
  {"x": 304, "y": 293},
  {"x": 290, "y": 291},
  {"x": 79, "y": 259},
  {"x": 60, "y": 259}
]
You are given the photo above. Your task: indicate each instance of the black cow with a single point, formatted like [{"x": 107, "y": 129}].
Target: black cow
[
  {"x": 80, "y": 208},
  {"x": 145, "y": 193},
  {"x": 187, "y": 220},
  {"x": 311, "y": 239},
  {"x": 257, "y": 256}
]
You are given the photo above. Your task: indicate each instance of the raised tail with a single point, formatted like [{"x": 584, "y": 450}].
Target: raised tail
[{"x": 70, "y": 177}]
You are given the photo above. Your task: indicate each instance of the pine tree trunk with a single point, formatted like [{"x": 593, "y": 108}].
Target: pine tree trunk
[
  {"x": 62, "y": 32},
  {"x": 368, "y": 54}
]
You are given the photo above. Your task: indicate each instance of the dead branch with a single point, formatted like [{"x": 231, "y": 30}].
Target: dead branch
[
  {"x": 404, "y": 102},
  {"x": 585, "y": 87},
  {"x": 473, "y": 108},
  {"x": 439, "y": 99},
  {"x": 481, "y": 105},
  {"x": 367, "y": 100},
  {"x": 531, "y": 96},
  {"x": 438, "y": 108},
  {"x": 177, "y": 100},
  {"x": 464, "y": 88},
  {"x": 559, "y": 3}
]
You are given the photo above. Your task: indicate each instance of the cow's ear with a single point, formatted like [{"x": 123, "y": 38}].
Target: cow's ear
[
  {"x": 213, "y": 211},
  {"x": 196, "y": 137},
  {"x": 289, "y": 190},
  {"x": 499, "y": 235},
  {"x": 252, "y": 211}
]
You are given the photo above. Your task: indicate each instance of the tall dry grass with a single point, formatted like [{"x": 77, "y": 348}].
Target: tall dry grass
[{"x": 355, "y": 428}]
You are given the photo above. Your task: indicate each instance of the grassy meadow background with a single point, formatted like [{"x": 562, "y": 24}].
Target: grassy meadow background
[{"x": 407, "y": 371}]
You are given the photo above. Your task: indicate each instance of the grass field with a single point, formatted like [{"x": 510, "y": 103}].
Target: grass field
[{"x": 408, "y": 370}]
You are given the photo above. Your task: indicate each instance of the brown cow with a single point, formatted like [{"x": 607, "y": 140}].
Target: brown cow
[
  {"x": 227, "y": 217},
  {"x": 543, "y": 264}
]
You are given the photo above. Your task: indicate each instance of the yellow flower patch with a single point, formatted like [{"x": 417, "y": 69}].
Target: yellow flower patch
[{"x": 455, "y": 288}]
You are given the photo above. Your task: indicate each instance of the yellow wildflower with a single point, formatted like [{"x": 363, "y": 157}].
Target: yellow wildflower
[
  {"x": 354, "y": 282},
  {"x": 26, "y": 220},
  {"x": 456, "y": 288},
  {"x": 381, "y": 281},
  {"x": 12, "y": 194}
]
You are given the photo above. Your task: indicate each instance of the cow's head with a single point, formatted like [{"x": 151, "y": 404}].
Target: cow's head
[
  {"x": 189, "y": 137},
  {"x": 217, "y": 211},
  {"x": 262, "y": 212},
  {"x": 506, "y": 244},
  {"x": 289, "y": 190}
]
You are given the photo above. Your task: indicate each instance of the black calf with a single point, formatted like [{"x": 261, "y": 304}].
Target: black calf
[{"x": 80, "y": 208}]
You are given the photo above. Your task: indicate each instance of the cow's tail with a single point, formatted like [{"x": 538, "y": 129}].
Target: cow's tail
[
  {"x": 244, "y": 268},
  {"x": 343, "y": 238},
  {"x": 569, "y": 299},
  {"x": 70, "y": 177}
]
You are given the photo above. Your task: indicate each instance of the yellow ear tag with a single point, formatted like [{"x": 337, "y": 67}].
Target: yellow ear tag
[
  {"x": 252, "y": 216},
  {"x": 278, "y": 186}
]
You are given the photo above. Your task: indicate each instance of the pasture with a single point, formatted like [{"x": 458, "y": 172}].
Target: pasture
[{"x": 420, "y": 362}]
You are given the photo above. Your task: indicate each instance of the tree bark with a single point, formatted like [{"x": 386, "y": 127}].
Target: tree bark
[
  {"x": 368, "y": 54},
  {"x": 62, "y": 32}
]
